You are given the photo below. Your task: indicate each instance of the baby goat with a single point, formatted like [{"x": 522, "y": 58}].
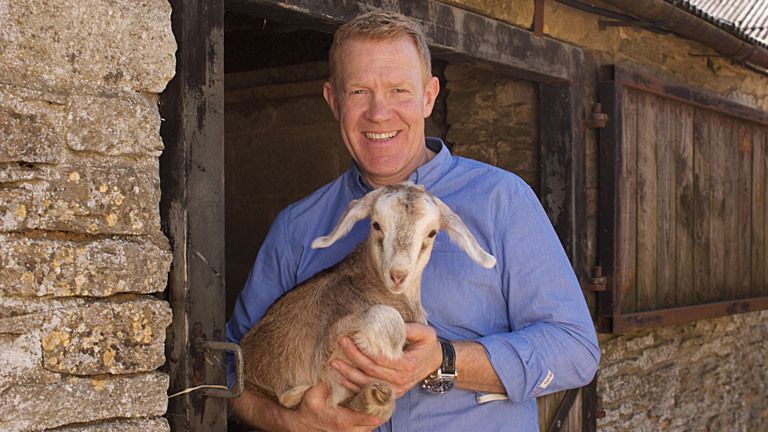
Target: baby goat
[{"x": 368, "y": 296}]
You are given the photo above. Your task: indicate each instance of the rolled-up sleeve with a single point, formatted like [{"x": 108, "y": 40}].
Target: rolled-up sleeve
[{"x": 552, "y": 344}]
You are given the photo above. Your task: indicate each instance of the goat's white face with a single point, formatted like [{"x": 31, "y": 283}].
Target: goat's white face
[
  {"x": 404, "y": 224},
  {"x": 405, "y": 220}
]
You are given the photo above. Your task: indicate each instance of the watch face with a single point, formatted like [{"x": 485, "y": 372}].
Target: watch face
[{"x": 443, "y": 386}]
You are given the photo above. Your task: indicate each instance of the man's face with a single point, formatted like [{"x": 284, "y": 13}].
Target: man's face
[{"x": 381, "y": 101}]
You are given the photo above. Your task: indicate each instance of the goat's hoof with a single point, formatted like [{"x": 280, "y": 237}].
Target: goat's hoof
[{"x": 380, "y": 393}]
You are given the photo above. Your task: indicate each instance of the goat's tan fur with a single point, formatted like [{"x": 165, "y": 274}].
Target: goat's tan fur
[{"x": 289, "y": 350}]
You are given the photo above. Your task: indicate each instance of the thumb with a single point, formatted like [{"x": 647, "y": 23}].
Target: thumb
[{"x": 419, "y": 333}]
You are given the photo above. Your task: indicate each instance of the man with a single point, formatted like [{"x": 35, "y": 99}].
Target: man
[{"x": 520, "y": 330}]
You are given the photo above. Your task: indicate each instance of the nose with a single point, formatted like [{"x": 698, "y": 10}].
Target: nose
[
  {"x": 378, "y": 108},
  {"x": 398, "y": 276}
]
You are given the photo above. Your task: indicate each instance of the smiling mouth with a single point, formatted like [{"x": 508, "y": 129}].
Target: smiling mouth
[{"x": 380, "y": 136}]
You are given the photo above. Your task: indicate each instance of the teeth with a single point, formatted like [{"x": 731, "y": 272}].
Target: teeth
[{"x": 380, "y": 136}]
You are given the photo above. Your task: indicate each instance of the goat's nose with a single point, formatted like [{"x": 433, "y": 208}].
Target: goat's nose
[{"x": 398, "y": 276}]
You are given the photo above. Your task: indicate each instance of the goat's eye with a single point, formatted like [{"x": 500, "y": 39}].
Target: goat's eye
[
  {"x": 376, "y": 226},
  {"x": 432, "y": 233}
]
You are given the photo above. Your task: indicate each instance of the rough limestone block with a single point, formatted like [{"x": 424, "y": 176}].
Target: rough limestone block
[
  {"x": 21, "y": 360},
  {"x": 28, "y": 138},
  {"x": 94, "y": 200},
  {"x": 102, "y": 44},
  {"x": 116, "y": 337},
  {"x": 36, "y": 407},
  {"x": 159, "y": 424},
  {"x": 60, "y": 266},
  {"x": 124, "y": 124},
  {"x": 37, "y": 125}
]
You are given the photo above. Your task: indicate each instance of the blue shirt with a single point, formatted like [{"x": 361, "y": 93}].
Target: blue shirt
[{"x": 528, "y": 311}]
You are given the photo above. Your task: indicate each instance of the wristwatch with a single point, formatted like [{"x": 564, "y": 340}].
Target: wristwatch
[{"x": 444, "y": 378}]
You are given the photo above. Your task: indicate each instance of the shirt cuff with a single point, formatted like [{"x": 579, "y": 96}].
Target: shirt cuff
[{"x": 513, "y": 359}]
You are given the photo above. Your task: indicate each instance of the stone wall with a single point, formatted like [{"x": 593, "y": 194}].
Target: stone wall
[
  {"x": 710, "y": 375},
  {"x": 492, "y": 118},
  {"x": 81, "y": 250}
]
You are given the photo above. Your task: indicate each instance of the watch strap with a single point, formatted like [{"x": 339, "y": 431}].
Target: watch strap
[{"x": 448, "y": 366}]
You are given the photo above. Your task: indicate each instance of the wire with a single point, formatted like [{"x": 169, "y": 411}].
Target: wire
[{"x": 191, "y": 389}]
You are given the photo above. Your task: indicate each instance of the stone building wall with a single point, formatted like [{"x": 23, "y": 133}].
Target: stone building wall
[
  {"x": 81, "y": 251},
  {"x": 707, "y": 375}
]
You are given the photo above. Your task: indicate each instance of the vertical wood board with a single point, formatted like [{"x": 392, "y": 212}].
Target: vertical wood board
[
  {"x": 647, "y": 200},
  {"x": 684, "y": 210},
  {"x": 626, "y": 243},
  {"x": 667, "y": 125}
]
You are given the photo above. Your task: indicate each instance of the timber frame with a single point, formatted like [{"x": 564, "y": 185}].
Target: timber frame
[
  {"x": 192, "y": 165},
  {"x": 611, "y": 318}
]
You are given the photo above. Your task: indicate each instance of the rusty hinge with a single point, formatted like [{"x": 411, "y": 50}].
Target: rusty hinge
[
  {"x": 597, "y": 119},
  {"x": 597, "y": 282}
]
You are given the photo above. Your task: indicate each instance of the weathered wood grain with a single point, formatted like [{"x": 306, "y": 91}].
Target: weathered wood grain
[
  {"x": 682, "y": 153},
  {"x": 720, "y": 161},
  {"x": 647, "y": 200},
  {"x": 743, "y": 224},
  {"x": 626, "y": 243},
  {"x": 701, "y": 205},
  {"x": 667, "y": 125}
]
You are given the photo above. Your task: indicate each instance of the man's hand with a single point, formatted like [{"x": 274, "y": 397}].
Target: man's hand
[
  {"x": 421, "y": 357},
  {"x": 312, "y": 414}
]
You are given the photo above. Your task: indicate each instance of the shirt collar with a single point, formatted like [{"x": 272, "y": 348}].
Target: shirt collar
[{"x": 427, "y": 174}]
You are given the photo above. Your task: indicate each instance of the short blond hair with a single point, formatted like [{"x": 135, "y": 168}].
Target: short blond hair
[{"x": 379, "y": 25}]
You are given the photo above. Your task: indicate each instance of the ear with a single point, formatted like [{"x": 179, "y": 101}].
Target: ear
[
  {"x": 356, "y": 210},
  {"x": 452, "y": 224},
  {"x": 330, "y": 99},
  {"x": 431, "y": 89}
]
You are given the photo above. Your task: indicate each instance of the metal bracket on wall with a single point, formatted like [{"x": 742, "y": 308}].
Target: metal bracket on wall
[
  {"x": 598, "y": 282},
  {"x": 597, "y": 119},
  {"x": 238, "y": 354}
]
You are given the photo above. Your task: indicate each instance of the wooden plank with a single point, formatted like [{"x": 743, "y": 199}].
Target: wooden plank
[
  {"x": 666, "y": 124},
  {"x": 743, "y": 214},
  {"x": 684, "y": 213},
  {"x": 453, "y": 33},
  {"x": 625, "y": 276},
  {"x": 758, "y": 212},
  {"x": 764, "y": 163},
  {"x": 701, "y": 204},
  {"x": 647, "y": 199},
  {"x": 720, "y": 167},
  {"x": 699, "y": 98},
  {"x": 192, "y": 210},
  {"x": 687, "y": 314},
  {"x": 730, "y": 177}
]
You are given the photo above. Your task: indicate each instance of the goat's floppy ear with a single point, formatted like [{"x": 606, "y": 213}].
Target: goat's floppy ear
[
  {"x": 452, "y": 224},
  {"x": 356, "y": 210}
]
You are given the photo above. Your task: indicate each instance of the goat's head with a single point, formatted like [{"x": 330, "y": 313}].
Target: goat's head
[{"x": 405, "y": 220}]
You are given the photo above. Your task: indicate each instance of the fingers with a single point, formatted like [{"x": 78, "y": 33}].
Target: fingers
[
  {"x": 417, "y": 333},
  {"x": 314, "y": 413}
]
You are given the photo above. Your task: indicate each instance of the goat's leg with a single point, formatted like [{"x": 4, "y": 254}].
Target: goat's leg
[
  {"x": 376, "y": 398},
  {"x": 378, "y": 331},
  {"x": 381, "y": 332},
  {"x": 292, "y": 397}
]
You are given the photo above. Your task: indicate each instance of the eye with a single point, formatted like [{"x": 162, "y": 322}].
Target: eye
[
  {"x": 376, "y": 226},
  {"x": 432, "y": 233}
]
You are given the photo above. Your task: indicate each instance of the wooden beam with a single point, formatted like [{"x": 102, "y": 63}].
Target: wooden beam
[
  {"x": 192, "y": 209},
  {"x": 700, "y": 98},
  {"x": 634, "y": 321},
  {"x": 454, "y": 34}
]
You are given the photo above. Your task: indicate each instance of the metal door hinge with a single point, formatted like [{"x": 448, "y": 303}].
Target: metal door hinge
[
  {"x": 598, "y": 282},
  {"x": 597, "y": 118}
]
